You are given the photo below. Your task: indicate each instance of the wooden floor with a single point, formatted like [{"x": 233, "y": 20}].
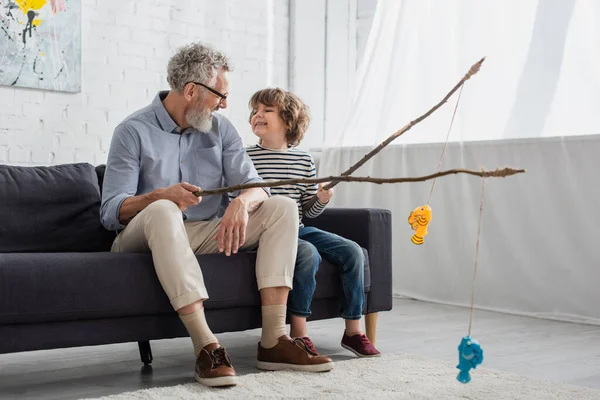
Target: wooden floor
[{"x": 561, "y": 352}]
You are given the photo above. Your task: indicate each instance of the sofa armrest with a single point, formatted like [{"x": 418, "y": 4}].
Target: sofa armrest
[{"x": 371, "y": 228}]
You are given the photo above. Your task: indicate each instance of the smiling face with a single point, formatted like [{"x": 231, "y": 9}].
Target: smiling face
[
  {"x": 204, "y": 102},
  {"x": 278, "y": 117},
  {"x": 266, "y": 122}
]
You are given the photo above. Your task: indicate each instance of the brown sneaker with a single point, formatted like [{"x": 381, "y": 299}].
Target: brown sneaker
[
  {"x": 292, "y": 354},
  {"x": 213, "y": 368}
]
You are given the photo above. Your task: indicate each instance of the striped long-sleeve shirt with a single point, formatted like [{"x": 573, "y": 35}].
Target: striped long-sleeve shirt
[{"x": 288, "y": 164}]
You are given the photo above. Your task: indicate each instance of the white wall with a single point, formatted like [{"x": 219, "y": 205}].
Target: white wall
[
  {"x": 327, "y": 37},
  {"x": 307, "y": 62},
  {"x": 308, "y": 46},
  {"x": 125, "y": 47},
  {"x": 348, "y": 23},
  {"x": 364, "y": 21}
]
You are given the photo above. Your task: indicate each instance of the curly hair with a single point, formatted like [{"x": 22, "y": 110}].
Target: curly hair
[
  {"x": 195, "y": 62},
  {"x": 294, "y": 113}
]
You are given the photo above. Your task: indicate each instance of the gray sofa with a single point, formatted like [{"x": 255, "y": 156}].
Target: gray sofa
[{"x": 61, "y": 287}]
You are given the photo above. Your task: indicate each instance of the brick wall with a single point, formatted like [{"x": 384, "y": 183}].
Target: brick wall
[{"x": 125, "y": 47}]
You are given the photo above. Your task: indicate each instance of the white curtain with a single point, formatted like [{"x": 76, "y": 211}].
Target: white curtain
[{"x": 533, "y": 105}]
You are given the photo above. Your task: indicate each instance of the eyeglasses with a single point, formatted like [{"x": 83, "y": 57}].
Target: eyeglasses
[{"x": 222, "y": 96}]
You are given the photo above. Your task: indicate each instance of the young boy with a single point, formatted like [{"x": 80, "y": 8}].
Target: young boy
[{"x": 280, "y": 119}]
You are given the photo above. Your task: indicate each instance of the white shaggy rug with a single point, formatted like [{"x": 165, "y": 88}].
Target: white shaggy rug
[{"x": 396, "y": 376}]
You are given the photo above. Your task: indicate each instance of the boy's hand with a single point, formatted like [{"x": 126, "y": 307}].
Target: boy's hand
[{"x": 324, "y": 195}]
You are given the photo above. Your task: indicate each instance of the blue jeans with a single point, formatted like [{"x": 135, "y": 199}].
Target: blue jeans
[{"x": 313, "y": 244}]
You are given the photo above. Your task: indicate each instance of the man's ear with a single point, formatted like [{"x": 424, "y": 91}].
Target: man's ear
[{"x": 188, "y": 91}]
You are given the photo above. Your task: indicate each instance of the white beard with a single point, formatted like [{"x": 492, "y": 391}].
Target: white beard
[{"x": 199, "y": 119}]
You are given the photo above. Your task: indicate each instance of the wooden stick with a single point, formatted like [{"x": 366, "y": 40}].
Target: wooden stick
[
  {"x": 497, "y": 173},
  {"x": 472, "y": 71}
]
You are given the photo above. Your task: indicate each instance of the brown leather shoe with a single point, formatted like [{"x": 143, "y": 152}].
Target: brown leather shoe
[
  {"x": 292, "y": 354},
  {"x": 213, "y": 368}
]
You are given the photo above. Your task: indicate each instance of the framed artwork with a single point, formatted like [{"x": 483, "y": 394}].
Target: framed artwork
[{"x": 40, "y": 44}]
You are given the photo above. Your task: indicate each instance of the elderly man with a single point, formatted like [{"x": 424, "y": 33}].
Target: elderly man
[{"x": 158, "y": 157}]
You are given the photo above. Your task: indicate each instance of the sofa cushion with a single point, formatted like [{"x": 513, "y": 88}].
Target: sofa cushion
[
  {"x": 69, "y": 286},
  {"x": 51, "y": 209},
  {"x": 100, "y": 170}
]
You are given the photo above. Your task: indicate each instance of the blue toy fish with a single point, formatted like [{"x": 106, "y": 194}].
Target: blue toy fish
[{"x": 470, "y": 355}]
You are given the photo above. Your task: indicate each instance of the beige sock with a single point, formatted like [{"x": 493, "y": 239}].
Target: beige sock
[
  {"x": 198, "y": 329},
  {"x": 273, "y": 325}
]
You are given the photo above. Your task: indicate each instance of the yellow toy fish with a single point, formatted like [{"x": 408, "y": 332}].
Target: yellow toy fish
[{"x": 418, "y": 219}]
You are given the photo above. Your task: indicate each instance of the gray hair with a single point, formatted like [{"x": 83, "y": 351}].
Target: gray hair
[{"x": 195, "y": 62}]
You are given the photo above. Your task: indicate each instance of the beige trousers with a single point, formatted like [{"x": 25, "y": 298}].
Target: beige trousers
[{"x": 160, "y": 229}]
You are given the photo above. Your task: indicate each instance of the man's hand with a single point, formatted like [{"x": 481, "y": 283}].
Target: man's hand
[
  {"x": 181, "y": 194},
  {"x": 232, "y": 233},
  {"x": 324, "y": 195}
]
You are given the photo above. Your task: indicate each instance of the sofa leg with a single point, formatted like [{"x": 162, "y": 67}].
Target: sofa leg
[
  {"x": 371, "y": 325},
  {"x": 145, "y": 352}
]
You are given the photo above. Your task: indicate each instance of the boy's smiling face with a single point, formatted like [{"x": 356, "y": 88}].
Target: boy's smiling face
[{"x": 267, "y": 123}]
